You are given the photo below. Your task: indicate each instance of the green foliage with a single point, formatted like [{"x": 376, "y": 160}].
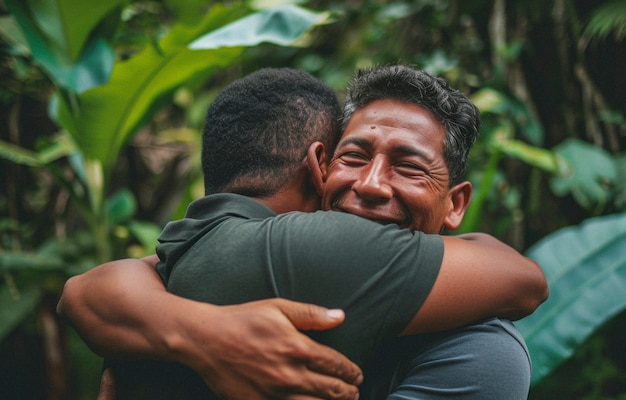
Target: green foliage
[
  {"x": 28, "y": 275},
  {"x": 586, "y": 269},
  {"x": 607, "y": 18},
  {"x": 597, "y": 366},
  {"x": 508, "y": 110},
  {"x": 15, "y": 307},
  {"x": 105, "y": 117},
  {"x": 282, "y": 26},
  {"x": 589, "y": 176},
  {"x": 51, "y": 152},
  {"x": 586, "y": 172},
  {"x": 123, "y": 67},
  {"x": 69, "y": 39}
]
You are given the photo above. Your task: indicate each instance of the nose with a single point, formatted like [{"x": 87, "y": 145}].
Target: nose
[{"x": 372, "y": 184}]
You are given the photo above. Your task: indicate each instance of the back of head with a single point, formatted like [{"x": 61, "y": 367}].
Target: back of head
[
  {"x": 258, "y": 129},
  {"x": 406, "y": 84}
]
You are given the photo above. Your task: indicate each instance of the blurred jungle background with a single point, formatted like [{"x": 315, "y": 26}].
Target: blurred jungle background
[{"x": 101, "y": 107}]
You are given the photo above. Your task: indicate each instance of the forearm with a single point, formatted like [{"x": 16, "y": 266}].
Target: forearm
[
  {"x": 121, "y": 309},
  {"x": 528, "y": 288},
  {"x": 480, "y": 277}
]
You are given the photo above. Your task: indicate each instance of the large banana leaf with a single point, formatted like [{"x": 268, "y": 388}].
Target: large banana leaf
[
  {"x": 586, "y": 269},
  {"x": 66, "y": 37},
  {"x": 281, "y": 26},
  {"x": 105, "y": 117}
]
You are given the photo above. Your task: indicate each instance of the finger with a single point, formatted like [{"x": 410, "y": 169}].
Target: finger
[
  {"x": 309, "y": 316},
  {"x": 328, "y": 361},
  {"x": 107, "y": 386},
  {"x": 326, "y": 387},
  {"x": 304, "y": 398}
]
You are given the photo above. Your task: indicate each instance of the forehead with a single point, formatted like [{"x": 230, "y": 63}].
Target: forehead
[{"x": 395, "y": 122}]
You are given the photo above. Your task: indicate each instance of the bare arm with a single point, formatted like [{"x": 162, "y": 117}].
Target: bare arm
[
  {"x": 251, "y": 351},
  {"x": 480, "y": 277}
]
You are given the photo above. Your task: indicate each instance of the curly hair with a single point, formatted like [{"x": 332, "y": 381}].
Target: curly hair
[{"x": 258, "y": 129}]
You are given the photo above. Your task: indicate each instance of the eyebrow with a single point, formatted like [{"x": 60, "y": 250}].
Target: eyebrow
[
  {"x": 410, "y": 151},
  {"x": 357, "y": 141}
]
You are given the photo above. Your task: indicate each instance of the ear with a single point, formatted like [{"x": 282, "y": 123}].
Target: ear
[
  {"x": 316, "y": 162},
  {"x": 460, "y": 196}
]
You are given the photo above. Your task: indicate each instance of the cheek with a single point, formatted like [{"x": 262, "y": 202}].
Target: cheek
[
  {"x": 339, "y": 178},
  {"x": 338, "y": 181},
  {"x": 427, "y": 213}
]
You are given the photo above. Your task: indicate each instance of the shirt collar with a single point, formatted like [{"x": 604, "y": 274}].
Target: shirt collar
[{"x": 228, "y": 203}]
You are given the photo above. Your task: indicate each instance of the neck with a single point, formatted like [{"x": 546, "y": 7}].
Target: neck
[
  {"x": 298, "y": 194},
  {"x": 290, "y": 200}
]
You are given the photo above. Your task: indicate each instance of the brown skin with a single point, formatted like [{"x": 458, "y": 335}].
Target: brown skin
[{"x": 388, "y": 167}]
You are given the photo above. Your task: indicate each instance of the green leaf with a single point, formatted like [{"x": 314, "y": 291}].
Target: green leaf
[
  {"x": 14, "y": 261},
  {"x": 64, "y": 39},
  {"x": 188, "y": 11},
  {"x": 121, "y": 206},
  {"x": 61, "y": 147},
  {"x": 11, "y": 32},
  {"x": 620, "y": 184},
  {"x": 590, "y": 175},
  {"x": 65, "y": 25},
  {"x": 607, "y": 18},
  {"x": 147, "y": 233},
  {"x": 439, "y": 63},
  {"x": 14, "y": 307},
  {"x": 535, "y": 156},
  {"x": 282, "y": 25},
  {"x": 19, "y": 155},
  {"x": 107, "y": 116},
  {"x": 586, "y": 270},
  {"x": 489, "y": 100},
  {"x": 110, "y": 114}
]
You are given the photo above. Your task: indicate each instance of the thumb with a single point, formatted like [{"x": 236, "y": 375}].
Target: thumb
[
  {"x": 309, "y": 316},
  {"x": 107, "y": 386}
]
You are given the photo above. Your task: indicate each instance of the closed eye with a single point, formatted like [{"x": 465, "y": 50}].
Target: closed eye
[
  {"x": 409, "y": 169},
  {"x": 354, "y": 157}
]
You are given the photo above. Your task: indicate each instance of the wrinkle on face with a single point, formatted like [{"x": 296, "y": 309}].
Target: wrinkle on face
[{"x": 389, "y": 166}]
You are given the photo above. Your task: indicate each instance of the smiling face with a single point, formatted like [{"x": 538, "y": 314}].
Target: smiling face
[{"x": 389, "y": 167}]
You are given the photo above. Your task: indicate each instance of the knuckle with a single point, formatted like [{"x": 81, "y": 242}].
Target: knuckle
[
  {"x": 285, "y": 380},
  {"x": 336, "y": 389}
]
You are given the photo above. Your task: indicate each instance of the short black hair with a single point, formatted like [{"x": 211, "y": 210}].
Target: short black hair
[
  {"x": 258, "y": 129},
  {"x": 404, "y": 83}
]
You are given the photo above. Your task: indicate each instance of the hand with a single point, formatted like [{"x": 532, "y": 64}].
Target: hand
[{"x": 259, "y": 352}]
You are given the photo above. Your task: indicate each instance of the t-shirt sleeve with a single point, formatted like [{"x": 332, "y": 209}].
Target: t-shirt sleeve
[{"x": 379, "y": 275}]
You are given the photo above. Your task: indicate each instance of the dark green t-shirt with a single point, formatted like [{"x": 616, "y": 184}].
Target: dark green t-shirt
[{"x": 230, "y": 249}]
